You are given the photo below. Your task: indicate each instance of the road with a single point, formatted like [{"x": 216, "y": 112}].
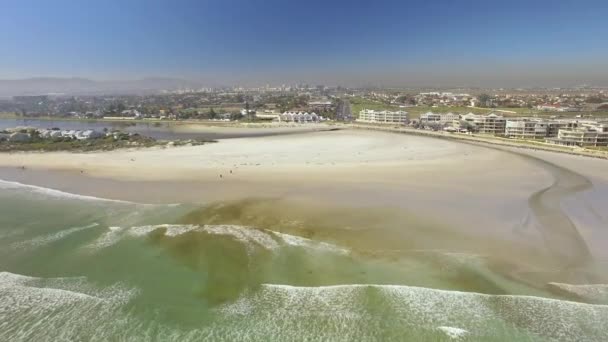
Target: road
[{"x": 343, "y": 112}]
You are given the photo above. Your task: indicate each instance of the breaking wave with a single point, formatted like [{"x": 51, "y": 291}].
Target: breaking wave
[
  {"x": 420, "y": 311},
  {"x": 252, "y": 237},
  {"x": 10, "y": 185},
  {"x": 39, "y": 309},
  {"x": 73, "y": 309},
  {"x": 50, "y": 238}
]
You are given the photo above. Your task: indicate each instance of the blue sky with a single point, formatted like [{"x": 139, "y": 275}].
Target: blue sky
[{"x": 237, "y": 41}]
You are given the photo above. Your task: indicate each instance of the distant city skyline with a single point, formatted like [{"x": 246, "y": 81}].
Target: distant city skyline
[{"x": 352, "y": 43}]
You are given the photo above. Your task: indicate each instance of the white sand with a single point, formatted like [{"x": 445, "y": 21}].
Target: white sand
[
  {"x": 297, "y": 154},
  {"x": 353, "y": 167}
]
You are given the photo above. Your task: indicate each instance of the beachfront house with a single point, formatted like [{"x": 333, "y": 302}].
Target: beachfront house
[
  {"x": 525, "y": 129},
  {"x": 491, "y": 124},
  {"x": 448, "y": 118},
  {"x": 299, "y": 117},
  {"x": 443, "y": 119},
  {"x": 588, "y": 136},
  {"x": 385, "y": 116},
  {"x": 429, "y": 118}
]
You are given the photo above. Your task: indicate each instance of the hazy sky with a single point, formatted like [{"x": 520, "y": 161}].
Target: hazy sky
[{"x": 382, "y": 42}]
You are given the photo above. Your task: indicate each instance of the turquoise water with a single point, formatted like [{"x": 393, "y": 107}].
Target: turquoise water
[{"x": 85, "y": 269}]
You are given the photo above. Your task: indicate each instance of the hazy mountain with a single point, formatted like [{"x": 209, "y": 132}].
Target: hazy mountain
[{"x": 81, "y": 86}]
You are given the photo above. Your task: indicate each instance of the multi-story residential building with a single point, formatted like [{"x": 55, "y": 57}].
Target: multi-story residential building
[
  {"x": 582, "y": 136},
  {"x": 525, "y": 129},
  {"x": 487, "y": 124},
  {"x": 384, "y": 116},
  {"x": 553, "y": 127},
  {"x": 448, "y": 117},
  {"x": 429, "y": 118},
  {"x": 444, "y": 118}
]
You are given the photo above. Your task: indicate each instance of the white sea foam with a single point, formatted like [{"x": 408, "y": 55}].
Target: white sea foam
[
  {"x": 423, "y": 308},
  {"x": 251, "y": 237},
  {"x": 9, "y": 185},
  {"x": 247, "y": 235},
  {"x": 32, "y": 309},
  {"x": 46, "y": 239},
  {"x": 10, "y": 281},
  {"x": 294, "y": 240},
  {"x": 454, "y": 333},
  {"x": 170, "y": 229}
]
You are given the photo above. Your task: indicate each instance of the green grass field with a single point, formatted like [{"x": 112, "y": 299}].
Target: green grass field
[
  {"x": 359, "y": 103},
  {"x": 414, "y": 112}
]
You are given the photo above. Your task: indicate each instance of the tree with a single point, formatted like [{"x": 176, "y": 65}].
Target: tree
[
  {"x": 236, "y": 116},
  {"x": 483, "y": 99},
  {"x": 212, "y": 114},
  {"x": 120, "y": 107},
  {"x": 594, "y": 99}
]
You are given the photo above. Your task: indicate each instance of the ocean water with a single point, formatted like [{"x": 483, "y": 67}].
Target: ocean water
[{"x": 77, "y": 268}]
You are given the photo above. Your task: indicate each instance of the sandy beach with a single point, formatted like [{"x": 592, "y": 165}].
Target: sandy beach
[
  {"x": 447, "y": 181},
  {"x": 298, "y": 154},
  {"x": 473, "y": 218},
  {"x": 320, "y": 164}
]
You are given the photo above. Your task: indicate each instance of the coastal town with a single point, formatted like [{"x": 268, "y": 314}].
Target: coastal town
[
  {"x": 571, "y": 117},
  {"x": 566, "y": 132},
  {"x": 377, "y": 171}
]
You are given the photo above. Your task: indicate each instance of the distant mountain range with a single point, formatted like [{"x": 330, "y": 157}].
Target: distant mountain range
[{"x": 82, "y": 86}]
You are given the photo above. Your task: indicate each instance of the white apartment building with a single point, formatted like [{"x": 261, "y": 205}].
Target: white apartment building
[
  {"x": 429, "y": 117},
  {"x": 525, "y": 129},
  {"x": 487, "y": 124},
  {"x": 553, "y": 127},
  {"x": 300, "y": 117},
  {"x": 581, "y": 136},
  {"x": 448, "y": 117},
  {"x": 384, "y": 116},
  {"x": 444, "y": 118}
]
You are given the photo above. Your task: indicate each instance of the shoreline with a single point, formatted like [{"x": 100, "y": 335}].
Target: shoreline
[
  {"x": 184, "y": 122},
  {"x": 469, "y": 189},
  {"x": 200, "y": 126}
]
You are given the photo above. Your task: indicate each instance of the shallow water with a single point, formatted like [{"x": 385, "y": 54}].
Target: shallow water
[
  {"x": 81, "y": 268},
  {"x": 157, "y": 130}
]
